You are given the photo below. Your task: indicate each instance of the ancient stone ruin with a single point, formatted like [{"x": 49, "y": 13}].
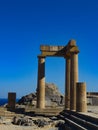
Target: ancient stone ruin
[
  {"x": 72, "y": 115},
  {"x": 70, "y": 54},
  {"x": 75, "y": 92}
]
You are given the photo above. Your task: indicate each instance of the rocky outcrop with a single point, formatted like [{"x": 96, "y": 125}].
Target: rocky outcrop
[
  {"x": 28, "y": 99},
  {"x": 52, "y": 97}
]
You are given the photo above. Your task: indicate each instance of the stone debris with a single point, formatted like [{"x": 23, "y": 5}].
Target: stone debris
[
  {"x": 26, "y": 121},
  {"x": 39, "y": 122},
  {"x": 60, "y": 124},
  {"x": 53, "y": 118},
  {"x": 53, "y": 123},
  {"x": 23, "y": 121}
]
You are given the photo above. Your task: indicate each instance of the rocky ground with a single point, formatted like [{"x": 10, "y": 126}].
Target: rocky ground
[
  {"x": 54, "y": 100},
  {"x": 24, "y": 122},
  {"x": 13, "y": 121},
  {"x": 27, "y": 123}
]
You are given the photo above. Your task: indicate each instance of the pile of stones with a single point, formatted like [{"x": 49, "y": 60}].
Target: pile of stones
[
  {"x": 24, "y": 121},
  {"x": 41, "y": 122}
]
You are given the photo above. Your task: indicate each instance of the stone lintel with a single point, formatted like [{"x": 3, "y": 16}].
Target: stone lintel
[
  {"x": 49, "y": 53},
  {"x": 51, "y": 48},
  {"x": 59, "y": 51}
]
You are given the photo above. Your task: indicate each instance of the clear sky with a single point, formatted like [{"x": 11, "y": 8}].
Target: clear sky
[{"x": 26, "y": 24}]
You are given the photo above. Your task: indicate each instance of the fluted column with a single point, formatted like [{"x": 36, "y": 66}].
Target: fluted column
[
  {"x": 41, "y": 83},
  {"x": 67, "y": 85},
  {"x": 73, "y": 79}
]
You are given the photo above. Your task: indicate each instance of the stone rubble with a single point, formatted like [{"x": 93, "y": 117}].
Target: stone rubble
[
  {"x": 40, "y": 122},
  {"x": 24, "y": 121}
]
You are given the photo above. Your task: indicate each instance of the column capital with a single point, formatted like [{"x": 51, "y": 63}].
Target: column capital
[
  {"x": 67, "y": 57},
  {"x": 74, "y": 50}
]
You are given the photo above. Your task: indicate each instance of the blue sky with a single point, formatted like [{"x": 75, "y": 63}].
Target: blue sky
[{"x": 26, "y": 24}]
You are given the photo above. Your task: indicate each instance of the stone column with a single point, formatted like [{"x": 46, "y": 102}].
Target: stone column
[
  {"x": 81, "y": 101},
  {"x": 11, "y": 100},
  {"x": 41, "y": 83},
  {"x": 73, "y": 79},
  {"x": 67, "y": 85}
]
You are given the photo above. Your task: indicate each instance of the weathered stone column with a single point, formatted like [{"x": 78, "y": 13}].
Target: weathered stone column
[
  {"x": 67, "y": 85},
  {"x": 11, "y": 100},
  {"x": 81, "y": 101},
  {"x": 41, "y": 83},
  {"x": 73, "y": 79}
]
